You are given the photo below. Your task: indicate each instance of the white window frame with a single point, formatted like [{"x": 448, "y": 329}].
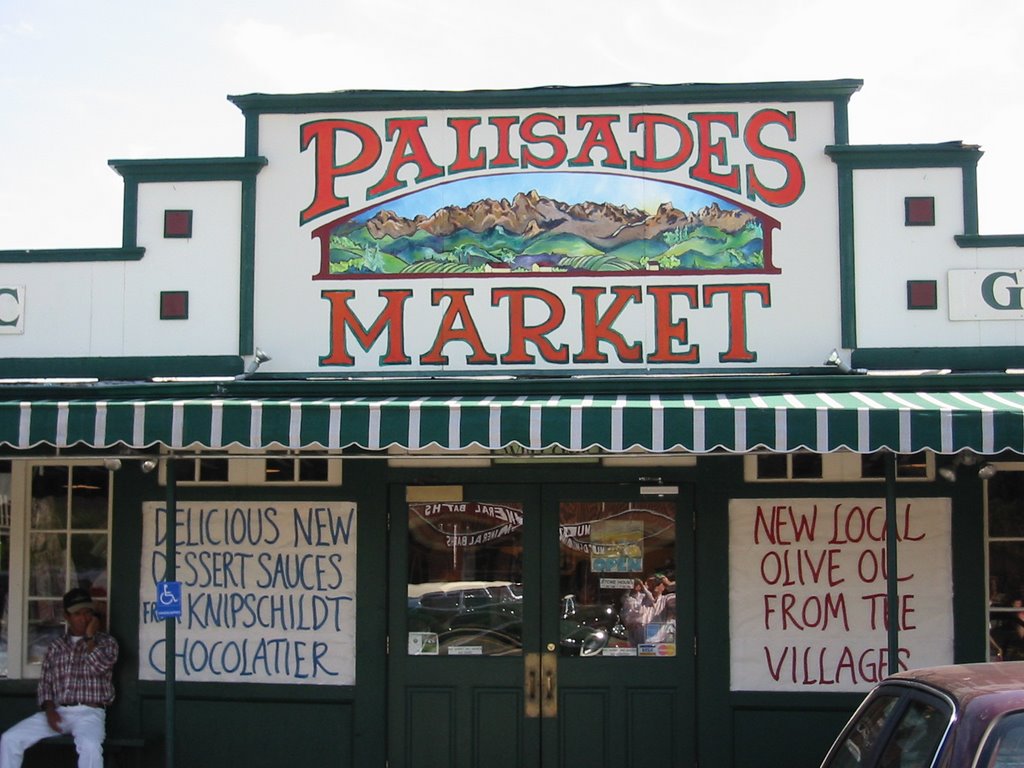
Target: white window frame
[
  {"x": 18, "y": 579},
  {"x": 841, "y": 467},
  {"x": 247, "y": 467}
]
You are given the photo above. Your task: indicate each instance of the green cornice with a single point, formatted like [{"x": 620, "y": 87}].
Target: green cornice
[
  {"x": 118, "y": 368},
  {"x": 189, "y": 169},
  {"x": 932, "y": 358},
  {"x": 990, "y": 241},
  {"x": 625, "y": 94},
  {"x": 826, "y": 380},
  {"x": 71, "y": 254},
  {"x": 945, "y": 155}
]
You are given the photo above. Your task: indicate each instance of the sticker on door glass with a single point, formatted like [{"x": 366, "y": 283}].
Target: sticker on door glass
[
  {"x": 423, "y": 644},
  {"x": 617, "y": 546},
  {"x": 656, "y": 649}
]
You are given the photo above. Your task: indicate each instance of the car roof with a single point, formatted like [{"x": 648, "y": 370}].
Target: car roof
[{"x": 966, "y": 682}]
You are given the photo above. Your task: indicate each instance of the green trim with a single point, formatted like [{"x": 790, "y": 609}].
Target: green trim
[
  {"x": 130, "y": 214},
  {"x": 928, "y": 358},
  {"x": 989, "y": 241},
  {"x": 970, "y": 188},
  {"x": 119, "y": 368},
  {"x": 189, "y": 169},
  {"x": 71, "y": 254},
  {"x": 950, "y": 154},
  {"x": 847, "y": 260},
  {"x": 603, "y": 95},
  {"x": 247, "y": 269}
]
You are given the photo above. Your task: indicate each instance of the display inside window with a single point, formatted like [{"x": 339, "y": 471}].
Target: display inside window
[
  {"x": 1006, "y": 566},
  {"x": 68, "y": 546}
]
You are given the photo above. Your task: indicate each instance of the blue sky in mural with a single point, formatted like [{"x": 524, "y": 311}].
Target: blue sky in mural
[{"x": 635, "y": 192}]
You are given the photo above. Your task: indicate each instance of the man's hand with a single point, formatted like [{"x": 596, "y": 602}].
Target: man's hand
[
  {"x": 93, "y": 627},
  {"x": 52, "y": 716}
]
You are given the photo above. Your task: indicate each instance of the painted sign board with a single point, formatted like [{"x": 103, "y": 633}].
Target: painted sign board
[
  {"x": 808, "y": 591},
  {"x": 552, "y": 240},
  {"x": 986, "y": 294},
  {"x": 267, "y": 592}
]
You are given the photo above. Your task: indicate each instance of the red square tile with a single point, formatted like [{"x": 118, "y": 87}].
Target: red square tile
[
  {"x": 173, "y": 305},
  {"x": 177, "y": 223},
  {"x": 922, "y": 294},
  {"x": 920, "y": 211}
]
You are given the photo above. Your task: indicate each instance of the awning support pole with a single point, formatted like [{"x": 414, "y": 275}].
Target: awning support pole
[
  {"x": 892, "y": 575},
  {"x": 170, "y": 625}
]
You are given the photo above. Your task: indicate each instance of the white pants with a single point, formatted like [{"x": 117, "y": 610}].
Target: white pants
[{"x": 86, "y": 724}]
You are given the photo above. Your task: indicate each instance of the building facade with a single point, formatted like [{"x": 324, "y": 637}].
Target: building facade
[{"x": 560, "y": 426}]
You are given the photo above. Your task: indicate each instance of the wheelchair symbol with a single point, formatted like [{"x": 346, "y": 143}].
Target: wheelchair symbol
[
  {"x": 168, "y": 599},
  {"x": 167, "y": 596}
]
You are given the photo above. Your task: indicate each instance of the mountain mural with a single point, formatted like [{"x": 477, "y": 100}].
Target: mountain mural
[{"x": 535, "y": 233}]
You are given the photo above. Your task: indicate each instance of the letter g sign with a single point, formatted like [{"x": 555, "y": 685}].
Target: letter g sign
[
  {"x": 12, "y": 309},
  {"x": 1009, "y": 289}
]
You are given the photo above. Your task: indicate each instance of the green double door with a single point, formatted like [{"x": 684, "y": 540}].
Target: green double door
[{"x": 541, "y": 625}]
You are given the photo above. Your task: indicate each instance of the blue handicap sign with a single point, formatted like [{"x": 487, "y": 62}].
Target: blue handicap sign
[{"x": 168, "y": 599}]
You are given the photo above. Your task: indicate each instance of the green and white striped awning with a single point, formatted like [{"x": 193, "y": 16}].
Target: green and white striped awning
[{"x": 986, "y": 422}]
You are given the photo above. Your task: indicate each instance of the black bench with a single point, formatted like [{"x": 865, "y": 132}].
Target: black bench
[{"x": 117, "y": 750}]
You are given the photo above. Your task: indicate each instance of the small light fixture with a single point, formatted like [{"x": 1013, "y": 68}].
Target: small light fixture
[
  {"x": 987, "y": 471},
  {"x": 840, "y": 364},
  {"x": 258, "y": 358},
  {"x": 112, "y": 465},
  {"x": 948, "y": 474},
  {"x": 148, "y": 465}
]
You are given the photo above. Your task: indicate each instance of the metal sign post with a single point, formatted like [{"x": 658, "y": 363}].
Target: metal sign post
[{"x": 170, "y": 667}]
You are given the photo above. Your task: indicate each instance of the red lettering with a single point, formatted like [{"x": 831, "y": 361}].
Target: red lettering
[
  {"x": 665, "y": 331},
  {"x": 737, "y": 310},
  {"x": 457, "y": 311},
  {"x": 520, "y": 333},
  {"x": 527, "y": 134},
  {"x": 326, "y": 169},
  {"x": 503, "y": 158},
  {"x": 649, "y": 160},
  {"x": 793, "y": 186},
  {"x": 597, "y": 328},
  {"x": 600, "y": 135},
  {"x": 708, "y": 150},
  {"x": 342, "y": 319},
  {"x": 408, "y": 148},
  {"x": 463, "y": 162}
]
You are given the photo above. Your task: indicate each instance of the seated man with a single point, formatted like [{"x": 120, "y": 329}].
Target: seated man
[{"x": 75, "y": 687}]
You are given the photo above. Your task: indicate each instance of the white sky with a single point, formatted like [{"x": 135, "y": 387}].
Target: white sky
[{"x": 84, "y": 82}]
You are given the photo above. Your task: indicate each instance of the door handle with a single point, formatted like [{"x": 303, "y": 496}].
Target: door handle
[
  {"x": 549, "y": 668},
  {"x": 531, "y": 692}
]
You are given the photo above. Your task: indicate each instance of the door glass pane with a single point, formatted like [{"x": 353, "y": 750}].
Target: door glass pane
[
  {"x": 465, "y": 575},
  {"x": 618, "y": 578}
]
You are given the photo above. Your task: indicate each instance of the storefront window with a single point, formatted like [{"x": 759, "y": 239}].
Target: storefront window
[
  {"x": 68, "y": 537},
  {"x": 465, "y": 579},
  {"x": 1006, "y": 566}
]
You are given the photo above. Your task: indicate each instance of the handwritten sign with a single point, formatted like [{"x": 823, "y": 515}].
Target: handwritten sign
[
  {"x": 268, "y": 592},
  {"x": 808, "y": 601}
]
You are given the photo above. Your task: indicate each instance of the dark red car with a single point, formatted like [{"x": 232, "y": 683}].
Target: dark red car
[{"x": 960, "y": 716}]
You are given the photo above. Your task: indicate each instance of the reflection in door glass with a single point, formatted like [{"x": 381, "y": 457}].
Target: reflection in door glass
[
  {"x": 618, "y": 578},
  {"x": 465, "y": 579}
]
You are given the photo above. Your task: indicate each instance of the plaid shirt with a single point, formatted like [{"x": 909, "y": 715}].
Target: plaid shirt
[{"x": 71, "y": 675}]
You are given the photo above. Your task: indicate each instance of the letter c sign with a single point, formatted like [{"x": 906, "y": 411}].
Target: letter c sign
[{"x": 12, "y": 309}]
